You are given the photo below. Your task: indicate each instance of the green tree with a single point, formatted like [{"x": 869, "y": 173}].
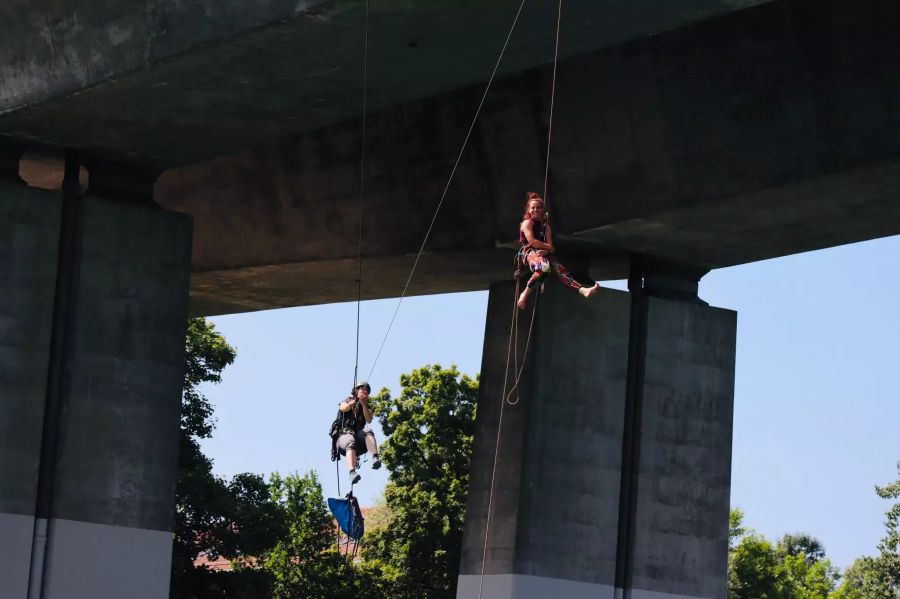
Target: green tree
[
  {"x": 305, "y": 563},
  {"x": 752, "y": 566},
  {"x": 878, "y": 577},
  {"x": 889, "y": 547},
  {"x": 431, "y": 427},
  {"x": 802, "y": 544},
  {"x": 864, "y": 579},
  {"x": 736, "y": 528},
  {"x": 794, "y": 568},
  {"x": 212, "y": 516}
]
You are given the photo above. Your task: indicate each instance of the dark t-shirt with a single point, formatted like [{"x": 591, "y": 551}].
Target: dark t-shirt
[
  {"x": 538, "y": 232},
  {"x": 354, "y": 420}
]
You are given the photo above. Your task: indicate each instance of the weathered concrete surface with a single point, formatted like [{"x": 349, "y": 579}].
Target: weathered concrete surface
[
  {"x": 595, "y": 382},
  {"x": 29, "y": 237},
  {"x": 684, "y": 471},
  {"x": 57, "y": 48},
  {"x": 124, "y": 367},
  {"x": 756, "y": 134},
  {"x": 753, "y": 135},
  {"x": 554, "y": 512},
  {"x": 105, "y": 500},
  {"x": 149, "y": 79}
]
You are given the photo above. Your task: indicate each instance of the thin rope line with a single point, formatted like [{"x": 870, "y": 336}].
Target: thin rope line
[
  {"x": 524, "y": 353},
  {"x": 514, "y": 325},
  {"x": 362, "y": 190},
  {"x": 487, "y": 524},
  {"x": 337, "y": 473},
  {"x": 552, "y": 102},
  {"x": 449, "y": 180},
  {"x": 546, "y": 201},
  {"x": 515, "y": 345}
]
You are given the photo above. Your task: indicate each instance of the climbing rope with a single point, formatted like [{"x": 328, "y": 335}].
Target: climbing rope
[
  {"x": 515, "y": 343},
  {"x": 359, "y": 245},
  {"x": 362, "y": 189},
  {"x": 447, "y": 186},
  {"x": 515, "y": 315},
  {"x": 552, "y": 101},
  {"x": 513, "y": 334}
]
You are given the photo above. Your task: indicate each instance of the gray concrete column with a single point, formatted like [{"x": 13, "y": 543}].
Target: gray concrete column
[
  {"x": 93, "y": 321},
  {"x": 613, "y": 472},
  {"x": 681, "y": 495},
  {"x": 29, "y": 237},
  {"x": 114, "y": 476},
  {"x": 553, "y": 519}
]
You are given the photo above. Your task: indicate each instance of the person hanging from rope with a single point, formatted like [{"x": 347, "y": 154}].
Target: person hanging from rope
[
  {"x": 537, "y": 251},
  {"x": 352, "y": 435}
]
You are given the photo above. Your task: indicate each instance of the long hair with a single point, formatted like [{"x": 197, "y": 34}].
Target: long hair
[{"x": 533, "y": 195}]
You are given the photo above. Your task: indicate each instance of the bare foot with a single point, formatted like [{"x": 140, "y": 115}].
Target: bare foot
[
  {"x": 589, "y": 291},
  {"x": 523, "y": 298}
]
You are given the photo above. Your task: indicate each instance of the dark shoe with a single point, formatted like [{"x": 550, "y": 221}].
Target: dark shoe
[
  {"x": 354, "y": 477},
  {"x": 376, "y": 462}
]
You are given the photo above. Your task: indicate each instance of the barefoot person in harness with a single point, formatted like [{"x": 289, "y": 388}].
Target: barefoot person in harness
[
  {"x": 537, "y": 251},
  {"x": 352, "y": 435}
]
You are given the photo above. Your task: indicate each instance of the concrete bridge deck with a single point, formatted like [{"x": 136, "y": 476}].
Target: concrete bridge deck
[
  {"x": 688, "y": 135},
  {"x": 754, "y": 134}
]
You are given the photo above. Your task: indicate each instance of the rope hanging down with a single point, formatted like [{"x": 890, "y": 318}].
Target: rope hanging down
[
  {"x": 362, "y": 189},
  {"x": 515, "y": 316},
  {"x": 513, "y": 334},
  {"x": 447, "y": 186}
]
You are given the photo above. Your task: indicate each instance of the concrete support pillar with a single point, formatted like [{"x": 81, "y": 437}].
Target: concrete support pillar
[
  {"x": 29, "y": 238},
  {"x": 94, "y": 405},
  {"x": 613, "y": 470}
]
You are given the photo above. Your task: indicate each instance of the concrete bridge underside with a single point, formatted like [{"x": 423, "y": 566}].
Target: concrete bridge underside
[
  {"x": 688, "y": 135},
  {"x": 751, "y": 135}
]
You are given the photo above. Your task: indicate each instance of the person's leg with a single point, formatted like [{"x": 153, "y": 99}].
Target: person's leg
[
  {"x": 568, "y": 280},
  {"x": 539, "y": 266},
  {"x": 372, "y": 447},
  {"x": 351, "y": 466},
  {"x": 347, "y": 446}
]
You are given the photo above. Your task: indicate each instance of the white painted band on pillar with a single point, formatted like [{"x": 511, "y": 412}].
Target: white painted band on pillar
[
  {"x": 99, "y": 561},
  {"x": 641, "y": 594},
  {"x": 16, "y": 532},
  {"x": 520, "y": 586}
]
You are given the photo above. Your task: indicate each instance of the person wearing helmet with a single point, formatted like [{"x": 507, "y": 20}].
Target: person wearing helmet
[{"x": 356, "y": 437}]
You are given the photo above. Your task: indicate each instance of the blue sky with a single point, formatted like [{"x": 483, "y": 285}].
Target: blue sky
[{"x": 816, "y": 401}]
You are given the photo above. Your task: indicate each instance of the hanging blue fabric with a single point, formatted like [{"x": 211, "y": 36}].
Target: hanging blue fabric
[{"x": 348, "y": 515}]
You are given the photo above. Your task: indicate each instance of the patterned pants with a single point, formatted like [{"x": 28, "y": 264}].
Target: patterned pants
[{"x": 541, "y": 265}]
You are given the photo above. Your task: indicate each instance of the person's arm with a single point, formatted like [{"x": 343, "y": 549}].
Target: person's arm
[
  {"x": 367, "y": 412},
  {"x": 347, "y": 404},
  {"x": 528, "y": 230}
]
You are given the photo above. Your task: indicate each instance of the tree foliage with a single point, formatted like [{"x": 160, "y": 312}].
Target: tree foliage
[
  {"x": 878, "y": 577},
  {"x": 889, "y": 547},
  {"x": 794, "y": 568},
  {"x": 751, "y": 569},
  {"x": 206, "y": 355},
  {"x": 736, "y": 528},
  {"x": 431, "y": 428},
  {"x": 305, "y": 562},
  {"x": 212, "y": 516}
]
